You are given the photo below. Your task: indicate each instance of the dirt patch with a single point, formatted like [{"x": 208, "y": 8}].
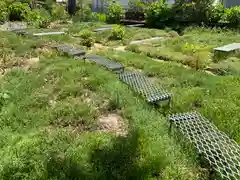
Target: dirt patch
[
  {"x": 16, "y": 62},
  {"x": 58, "y": 24},
  {"x": 98, "y": 47},
  {"x": 43, "y": 50},
  {"x": 30, "y": 63},
  {"x": 134, "y": 69},
  {"x": 13, "y": 25},
  {"x": 91, "y": 98},
  {"x": 209, "y": 72},
  {"x": 147, "y": 41},
  {"x": 159, "y": 60},
  {"x": 113, "y": 123},
  {"x": 153, "y": 79},
  {"x": 120, "y": 48},
  {"x": 53, "y": 101}
]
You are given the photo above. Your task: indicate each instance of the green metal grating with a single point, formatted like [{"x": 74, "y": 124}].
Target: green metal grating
[
  {"x": 140, "y": 84},
  {"x": 222, "y": 153}
]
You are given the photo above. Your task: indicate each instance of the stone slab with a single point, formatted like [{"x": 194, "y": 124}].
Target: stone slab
[
  {"x": 228, "y": 48},
  {"x": 48, "y": 33},
  {"x": 102, "y": 29},
  {"x": 11, "y": 26},
  {"x": 135, "y": 25},
  {"x": 146, "y": 40}
]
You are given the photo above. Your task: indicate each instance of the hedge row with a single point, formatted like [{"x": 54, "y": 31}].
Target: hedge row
[
  {"x": 157, "y": 14},
  {"x": 197, "y": 12}
]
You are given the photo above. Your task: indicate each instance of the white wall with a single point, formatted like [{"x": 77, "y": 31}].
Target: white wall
[
  {"x": 171, "y": 2},
  {"x": 59, "y": 1},
  {"x": 231, "y": 3},
  {"x": 97, "y": 3}
]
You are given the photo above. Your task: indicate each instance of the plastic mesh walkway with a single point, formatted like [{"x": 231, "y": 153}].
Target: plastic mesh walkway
[
  {"x": 111, "y": 65},
  {"x": 139, "y": 83},
  {"x": 222, "y": 153}
]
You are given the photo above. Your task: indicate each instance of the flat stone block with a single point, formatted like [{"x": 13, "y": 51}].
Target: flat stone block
[
  {"x": 135, "y": 25},
  {"x": 102, "y": 29},
  {"x": 48, "y": 33},
  {"x": 146, "y": 40},
  {"x": 228, "y": 48}
]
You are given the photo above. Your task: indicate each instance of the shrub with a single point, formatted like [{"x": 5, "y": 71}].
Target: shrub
[
  {"x": 173, "y": 34},
  {"x": 94, "y": 17},
  {"x": 157, "y": 13},
  {"x": 199, "y": 60},
  {"x": 39, "y": 18},
  {"x": 19, "y": 11},
  {"x": 189, "y": 48},
  {"x": 115, "y": 13},
  {"x": 45, "y": 4},
  {"x": 233, "y": 15},
  {"x": 58, "y": 12},
  {"x": 117, "y": 33},
  {"x": 84, "y": 34},
  {"x": 183, "y": 12},
  {"x": 34, "y": 17},
  {"x": 202, "y": 9},
  {"x": 133, "y": 48},
  {"x": 3, "y": 11},
  {"x": 217, "y": 13},
  {"x": 136, "y": 6},
  {"x": 87, "y": 38},
  {"x": 194, "y": 12},
  {"x": 85, "y": 15},
  {"x": 45, "y": 18},
  {"x": 102, "y": 17}
]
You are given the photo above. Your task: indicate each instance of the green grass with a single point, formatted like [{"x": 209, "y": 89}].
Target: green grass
[
  {"x": 131, "y": 34},
  {"x": 194, "y": 48},
  {"x": 216, "y": 97},
  {"x": 231, "y": 66},
  {"x": 50, "y": 113},
  {"x": 50, "y": 128},
  {"x": 20, "y": 46}
]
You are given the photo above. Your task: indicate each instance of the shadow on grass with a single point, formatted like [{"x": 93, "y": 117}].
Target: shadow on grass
[{"x": 121, "y": 160}]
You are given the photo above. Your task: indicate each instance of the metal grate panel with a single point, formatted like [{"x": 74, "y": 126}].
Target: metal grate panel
[
  {"x": 70, "y": 50},
  {"x": 111, "y": 65},
  {"x": 139, "y": 83},
  {"x": 222, "y": 153}
]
